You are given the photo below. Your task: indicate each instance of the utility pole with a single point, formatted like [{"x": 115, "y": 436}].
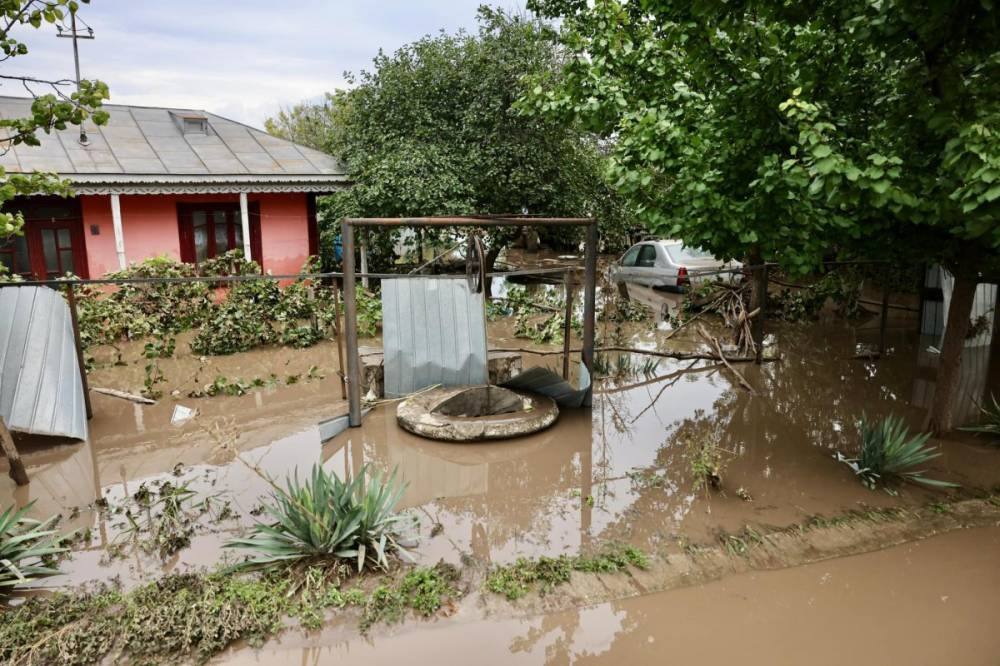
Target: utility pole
[{"x": 75, "y": 35}]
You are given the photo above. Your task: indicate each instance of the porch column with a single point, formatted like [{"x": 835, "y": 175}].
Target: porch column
[
  {"x": 245, "y": 222},
  {"x": 116, "y": 222}
]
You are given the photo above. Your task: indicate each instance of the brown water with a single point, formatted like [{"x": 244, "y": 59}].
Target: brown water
[
  {"x": 926, "y": 603},
  {"x": 620, "y": 471}
]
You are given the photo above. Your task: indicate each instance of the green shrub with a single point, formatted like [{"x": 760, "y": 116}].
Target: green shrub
[
  {"x": 26, "y": 548},
  {"x": 328, "y": 521},
  {"x": 888, "y": 452},
  {"x": 990, "y": 424}
]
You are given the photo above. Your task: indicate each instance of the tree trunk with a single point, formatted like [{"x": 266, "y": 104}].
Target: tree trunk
[
  {"x": 490, "y": 260},
  {"x": 950, "y": 362}
]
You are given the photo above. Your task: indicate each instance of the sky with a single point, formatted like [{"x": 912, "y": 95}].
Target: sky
[{"x": 241, "y": 59}]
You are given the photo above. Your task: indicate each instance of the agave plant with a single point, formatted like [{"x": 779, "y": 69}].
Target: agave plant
[
  {"x": 25, "y": 548},
  {"x": 991, "y": 420},
  {"x": 888, "y": 451},
  {"x": 326, "y": 518}
]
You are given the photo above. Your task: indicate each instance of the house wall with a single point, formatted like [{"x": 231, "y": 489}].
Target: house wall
[{"x": 150, "y": 228}]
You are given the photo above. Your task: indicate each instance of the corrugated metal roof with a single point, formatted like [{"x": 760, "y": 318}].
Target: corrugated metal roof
[
  {"x": 40, "y": 387},
  {"x": 146, "y": 142},
  {"x": 433, "y": 332}
]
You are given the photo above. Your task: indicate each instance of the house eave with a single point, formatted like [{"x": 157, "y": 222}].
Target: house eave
[{"x": 205, "y": 184}]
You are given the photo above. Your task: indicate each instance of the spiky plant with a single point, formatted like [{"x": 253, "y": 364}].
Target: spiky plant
[
  {"x": 990, "y": 424},
  {"x": 25, "y": 548},
  {"x": 888, "y": 451},
  {"x": 327, "y": 520}
]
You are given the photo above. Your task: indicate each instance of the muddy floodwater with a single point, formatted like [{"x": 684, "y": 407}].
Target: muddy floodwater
[
  {"x": 926, "y": 603},
  {"x": 620, "y": 472}
]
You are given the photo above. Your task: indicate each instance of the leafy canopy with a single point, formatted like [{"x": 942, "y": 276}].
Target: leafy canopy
[
  {"x": 799, "y": 128},
  {"x": 430, "y": 130},
  {"x": 54, "y": 109}
]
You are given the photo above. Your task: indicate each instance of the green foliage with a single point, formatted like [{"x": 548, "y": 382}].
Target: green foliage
[
  {"x": 888, "y": 452},
  {"x": 842, "y": 287},
  {"x": 429, "y": 130},
  {"x": 423, "y": 590},
  {"x": 369, "y": 309},
  {"x": 990, "y": 424},
  {"x": 55, "y": 110},
  {"x": 27, "y": 547},
  {"x": 852, "y": 126},
  {"x": 516, "y": 580},
  {"x": 328, "y": 521}
]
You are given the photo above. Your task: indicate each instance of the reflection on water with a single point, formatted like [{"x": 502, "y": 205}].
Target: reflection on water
[
  {"x": 618, "y": 472},
  {"x": 804, "y": 615}
]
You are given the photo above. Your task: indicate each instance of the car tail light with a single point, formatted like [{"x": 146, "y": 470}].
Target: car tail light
[{"x": 682, "y": 276}]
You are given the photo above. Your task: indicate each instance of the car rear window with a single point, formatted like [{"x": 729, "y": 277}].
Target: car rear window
[{"x": 684, "y": 253}]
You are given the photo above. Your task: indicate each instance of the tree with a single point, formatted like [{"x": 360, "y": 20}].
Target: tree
[
  {"x": 429, "y": 130},
  {"x": 791, "y": 131},
  {"x": 53, "y": 110},
  {"x": 315, "y": 125}
]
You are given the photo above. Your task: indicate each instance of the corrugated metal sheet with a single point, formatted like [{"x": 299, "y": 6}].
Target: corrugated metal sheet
[
  {"x": 546, "y": 382},
  {"x": 433, "y": 332},
  {"x": 40, "y": 387}
]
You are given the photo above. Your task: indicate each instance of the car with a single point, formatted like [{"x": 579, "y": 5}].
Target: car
[{"x": 669, "y": 264}]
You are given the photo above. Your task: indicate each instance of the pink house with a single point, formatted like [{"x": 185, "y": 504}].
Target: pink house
[{"x": 176, "y": 182}]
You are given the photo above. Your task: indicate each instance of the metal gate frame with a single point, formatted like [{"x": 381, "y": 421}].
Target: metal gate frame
[{"x": 350, "y": 281}]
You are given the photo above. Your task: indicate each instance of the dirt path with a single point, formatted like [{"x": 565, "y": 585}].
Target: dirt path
[{"x": 928, "y": 602}]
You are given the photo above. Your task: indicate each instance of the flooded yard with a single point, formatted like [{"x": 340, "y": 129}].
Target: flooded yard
[{"x": 621, "y": 472}]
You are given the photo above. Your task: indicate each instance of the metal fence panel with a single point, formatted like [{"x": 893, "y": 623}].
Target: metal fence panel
[
  {"x": 40, "y": 387},
  {"x": 433, "y": 332}
]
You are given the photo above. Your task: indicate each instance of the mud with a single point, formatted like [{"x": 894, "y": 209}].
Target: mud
[
  {"x": 620, "y": 472},
  {"x": 923, "y": 603}
]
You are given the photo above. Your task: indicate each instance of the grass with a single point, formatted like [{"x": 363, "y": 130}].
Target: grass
[
  {"x": 990, "y": 424},
  {"x": 516, "y": 580},
  {"x": 888, "y": 452},
  {"x": 327, "y": 521},
  {"x": 27, "y": 547},
  {"x": 196, "y": 616}
]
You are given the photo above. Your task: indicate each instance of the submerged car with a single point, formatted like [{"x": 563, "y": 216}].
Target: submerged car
[{"x": 669, "y": 264}]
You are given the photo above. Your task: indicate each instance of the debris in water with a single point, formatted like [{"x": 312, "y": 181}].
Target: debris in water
[
  {"x": 182, "y": 414},
  {"x": 743, "y": 494}
]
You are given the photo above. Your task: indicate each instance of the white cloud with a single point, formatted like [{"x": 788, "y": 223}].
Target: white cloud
[{"x": 243, "y": 59}]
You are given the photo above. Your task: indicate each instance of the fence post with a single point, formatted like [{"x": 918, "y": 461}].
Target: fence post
[
  {"x": 759, "y": 303},
  {"x": 338, "y": 330},
  {"x": 568, "y": 323},
  {"x": 589, "y": 298},
  {"x": 351, "y": 326},
  {"x": 81, "y": 363},
  {"x": 884, "y": 319},
  {"x": 17, "y": 471}
]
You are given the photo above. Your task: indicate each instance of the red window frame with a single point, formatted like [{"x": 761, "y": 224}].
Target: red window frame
[
  {"x": 185, "y": 221},
  {"x": 32, "y": 209}
]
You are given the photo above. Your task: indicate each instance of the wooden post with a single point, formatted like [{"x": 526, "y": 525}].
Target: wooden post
[
  {"x": 17, "y": 471},
  {"x": 759, "y": 303},
  {"x": 338, "y": 330},
  {"x": 81, "y": 363},
  {"x": 568, "y": 324},
  {"x": 351, "y": 327},
  {"x": 589, "y": 307},
  {"x": 884, "y": 319}
]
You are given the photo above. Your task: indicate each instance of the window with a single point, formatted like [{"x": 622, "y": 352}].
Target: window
[
  {"x": 14, "y": 256},
  {"x": 208, "y": 230},
  {"x": 683, "y": 253},
  {"x": 631, "y": 256},
  {"x": 52, "y": 243},
  {"x": 190, "y": 122},
  {"x": 647, "y": 256}
]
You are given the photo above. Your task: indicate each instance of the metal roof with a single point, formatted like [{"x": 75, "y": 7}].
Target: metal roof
[
  {"x": 40, "y": 388},
  {"x": 146, "y": 149}
]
